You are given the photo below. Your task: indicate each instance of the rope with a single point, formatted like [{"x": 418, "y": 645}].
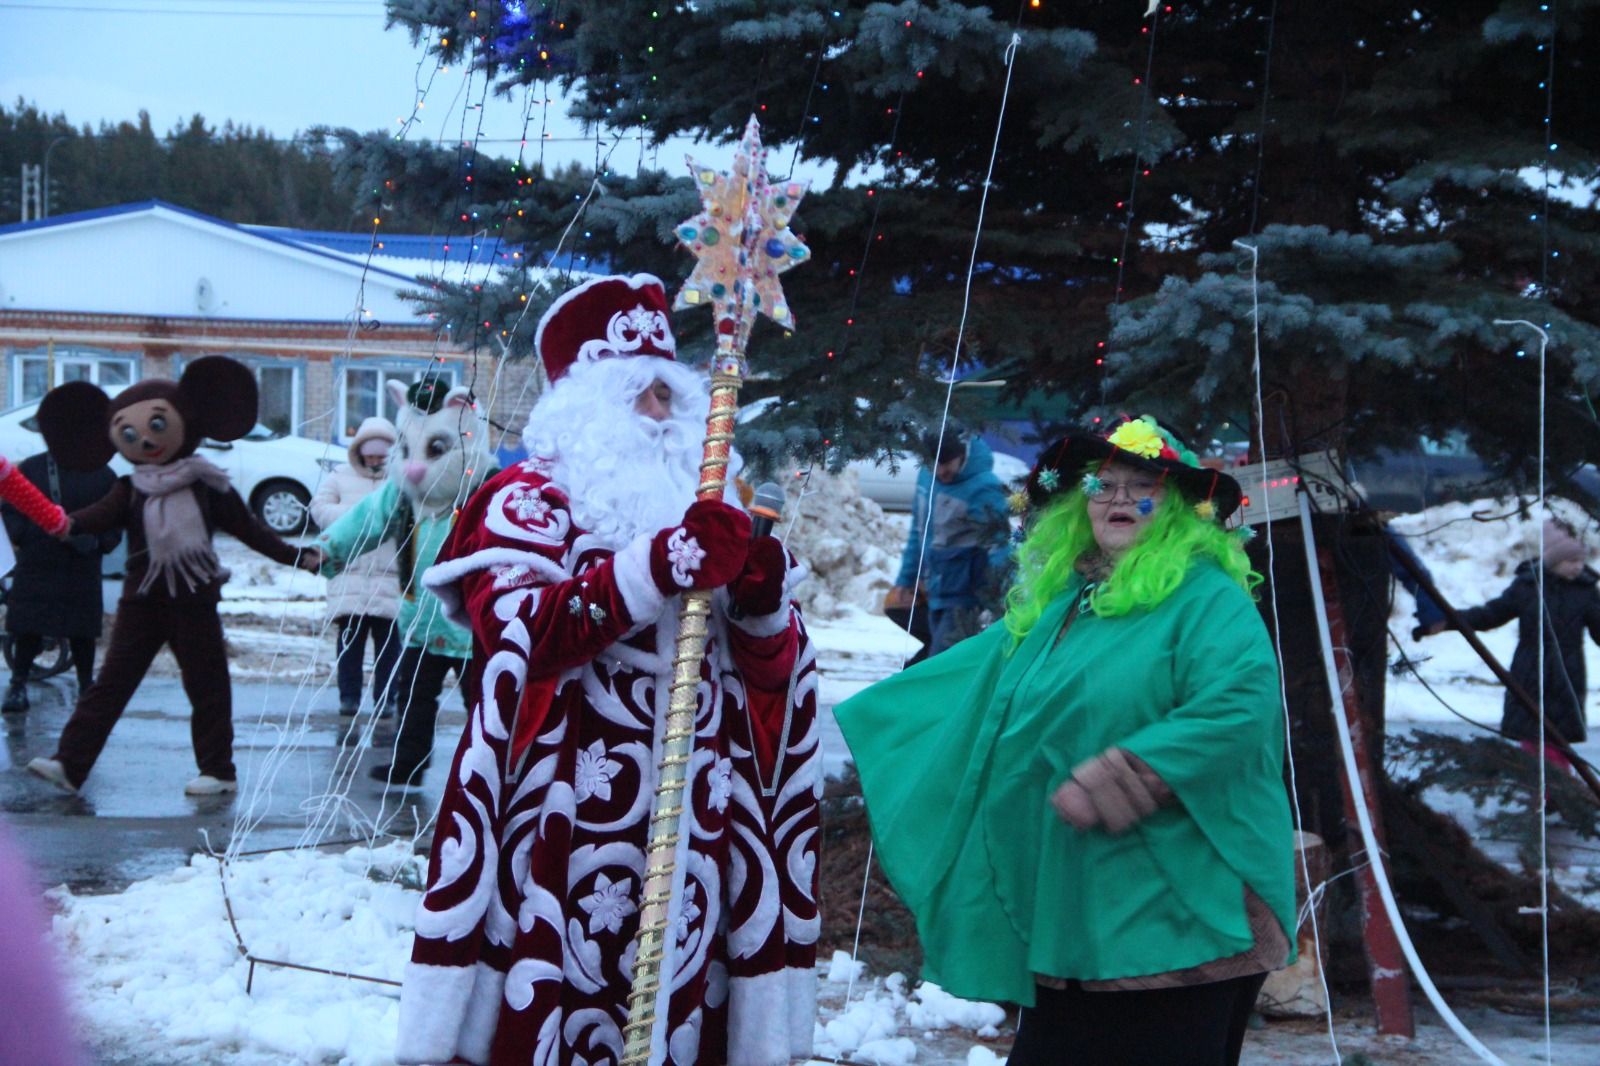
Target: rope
[
  {"x": 1544, "y": 844},
  {"x": 1277, "y": 636},
  {"x": 944, "y": 422}
]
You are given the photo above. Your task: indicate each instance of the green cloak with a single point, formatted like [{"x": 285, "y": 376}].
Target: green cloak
[{"x": 959, "y": 755}]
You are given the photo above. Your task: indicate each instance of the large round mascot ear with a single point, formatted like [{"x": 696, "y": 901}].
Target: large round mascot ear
[
  {"x": 222, "y": 394},
  {"x": 75, "y": 420}
]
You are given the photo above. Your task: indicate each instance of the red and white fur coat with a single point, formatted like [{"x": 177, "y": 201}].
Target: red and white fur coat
[{"x": 524, "y": 937}]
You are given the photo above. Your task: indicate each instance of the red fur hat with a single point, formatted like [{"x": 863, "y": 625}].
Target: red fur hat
[{"x": 605, "y": 317}]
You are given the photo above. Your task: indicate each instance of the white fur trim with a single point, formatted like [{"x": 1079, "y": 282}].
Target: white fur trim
[
  {"x": 442, "y": 579},
  {"x": 483, "y": 1014},
  {"x": 772, "y": 1017},
  {"x": 640, "y": 595},
  {"x": 766, "y": 625},
  {"x": 434, "y": 1003},
  {"x": 635, "y": 281}
]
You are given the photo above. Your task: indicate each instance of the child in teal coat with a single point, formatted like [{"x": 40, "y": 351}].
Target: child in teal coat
[{"x": 437, "y": 463}]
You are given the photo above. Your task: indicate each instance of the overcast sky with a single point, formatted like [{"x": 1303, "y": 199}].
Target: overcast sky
[{"x": 282, "y": 65}]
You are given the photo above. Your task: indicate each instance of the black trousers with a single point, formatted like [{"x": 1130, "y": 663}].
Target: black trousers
[
  {"x": 25, "y": 648},
  {"x": 355, "y": 631},
  {"x": 420, "y": 681},
  {"x": 1197, "y": 1025},
  {"x": 142, "y": 626}
]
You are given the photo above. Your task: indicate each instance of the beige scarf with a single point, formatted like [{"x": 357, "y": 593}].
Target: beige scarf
[{"x": 175, "y": 533}]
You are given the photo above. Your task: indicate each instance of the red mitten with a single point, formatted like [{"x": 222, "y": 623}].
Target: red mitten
[
  {"x": 706, "y": 551},
  {"x": 758, "y": 590},
  {"x": 35, "y": 506}
]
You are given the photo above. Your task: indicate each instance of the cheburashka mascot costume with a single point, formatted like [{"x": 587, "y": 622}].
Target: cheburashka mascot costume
[{"x": 170, "y": 506}]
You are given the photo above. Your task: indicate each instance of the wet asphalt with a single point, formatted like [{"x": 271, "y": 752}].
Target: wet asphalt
[{"x": 132, "y": 819}]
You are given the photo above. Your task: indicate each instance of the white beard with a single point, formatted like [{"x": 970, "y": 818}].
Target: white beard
[{"x": 623, "y": 473}]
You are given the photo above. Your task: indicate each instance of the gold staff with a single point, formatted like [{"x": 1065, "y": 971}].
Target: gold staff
[{"x": 741, "y": 242}]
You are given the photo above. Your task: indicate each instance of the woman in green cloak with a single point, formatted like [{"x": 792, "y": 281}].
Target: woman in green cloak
[{"x": 1084, "y": 806}]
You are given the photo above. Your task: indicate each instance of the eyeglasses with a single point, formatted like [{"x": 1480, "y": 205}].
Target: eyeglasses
[{"x": 1136, "y": 490}]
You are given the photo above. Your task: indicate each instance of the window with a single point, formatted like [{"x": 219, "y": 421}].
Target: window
[
  {"x": 36, "y": 372},
  {"x": 279, "y": 410},
  {"x": 280, "y": 390},
  {"x": 363, "y": 390}
]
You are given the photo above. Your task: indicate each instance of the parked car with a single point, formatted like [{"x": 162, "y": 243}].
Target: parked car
[
  {"x": 1408, "y": 480},
  {"x": 894, "y": 489},
  {"x": 276, "y": 474}
]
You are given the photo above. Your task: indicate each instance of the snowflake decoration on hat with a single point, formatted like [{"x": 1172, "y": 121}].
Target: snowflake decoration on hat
[
  {"x": 1092, "y": 485},
  {"x": 1049, "y": 480},
  {"x": 741, "y": 242}
]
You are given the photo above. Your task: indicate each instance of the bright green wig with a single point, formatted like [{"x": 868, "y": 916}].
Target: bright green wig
[{"x": 1148, "y": 572}]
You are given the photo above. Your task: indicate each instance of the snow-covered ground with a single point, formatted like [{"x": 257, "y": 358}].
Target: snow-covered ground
[{"x": 157, "y": 968}]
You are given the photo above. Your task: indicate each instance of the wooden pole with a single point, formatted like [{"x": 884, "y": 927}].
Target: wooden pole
[{"x": 1386, "y": 967}]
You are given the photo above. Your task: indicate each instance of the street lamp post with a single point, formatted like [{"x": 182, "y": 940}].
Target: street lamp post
[{"x": 44, "y": 193}]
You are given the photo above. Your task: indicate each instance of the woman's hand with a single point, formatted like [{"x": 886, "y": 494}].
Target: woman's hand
[
  {"x": 1114, "y": 790},
  {"x": 310, "y": 560}
]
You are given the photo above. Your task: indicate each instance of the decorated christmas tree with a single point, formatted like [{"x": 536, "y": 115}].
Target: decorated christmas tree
[
  {"x": 1390, "y": 164},
  {"x": 1382, "y": 181}
]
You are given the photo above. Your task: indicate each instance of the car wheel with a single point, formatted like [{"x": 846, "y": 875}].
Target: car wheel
[{"x": 282, "y": 506}]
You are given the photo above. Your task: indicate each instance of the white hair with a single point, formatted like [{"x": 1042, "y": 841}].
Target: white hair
[{"x": 623, "y": 472}]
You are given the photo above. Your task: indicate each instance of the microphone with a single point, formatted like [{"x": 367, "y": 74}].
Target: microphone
[{"x": 766, "y": 507}]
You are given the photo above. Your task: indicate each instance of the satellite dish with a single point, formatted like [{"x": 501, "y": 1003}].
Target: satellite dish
[{"x": 205, "y": 298}]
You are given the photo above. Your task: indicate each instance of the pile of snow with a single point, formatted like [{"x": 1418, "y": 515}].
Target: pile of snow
[
  {"x": 1473, "y": 549},
  {"x": 157, "y": 973},
  {"x": 882, "y": 1023},
  {"x": 852, "y": 549}
]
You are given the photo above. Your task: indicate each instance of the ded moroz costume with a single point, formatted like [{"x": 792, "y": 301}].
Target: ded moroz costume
[{"x": 568, "y": 568}]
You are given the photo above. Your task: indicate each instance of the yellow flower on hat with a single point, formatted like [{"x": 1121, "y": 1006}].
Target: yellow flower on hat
[{"x": 1138, "y": 437}]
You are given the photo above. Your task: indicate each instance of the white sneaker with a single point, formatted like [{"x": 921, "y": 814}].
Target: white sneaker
[
  {"x": 206, "y": 785},
  {"x": 52, "y": 771}
]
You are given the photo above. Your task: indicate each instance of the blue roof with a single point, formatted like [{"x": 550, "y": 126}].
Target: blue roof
[
  {"x": 462, "y": 248},
  {"x": 150, "y": 205},
  {"x": 423, "y": 247}
]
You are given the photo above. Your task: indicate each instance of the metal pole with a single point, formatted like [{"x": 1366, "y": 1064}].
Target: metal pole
[{"x": 44, "y": 197}]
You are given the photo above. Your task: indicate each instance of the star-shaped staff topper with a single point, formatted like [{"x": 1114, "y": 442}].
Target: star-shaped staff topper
[{"x": 741, "y": 242}]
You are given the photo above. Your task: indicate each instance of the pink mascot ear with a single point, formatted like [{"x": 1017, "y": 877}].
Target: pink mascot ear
[
  {"x": 75, "y": 419},
  {"x": 222, "y": 394}
]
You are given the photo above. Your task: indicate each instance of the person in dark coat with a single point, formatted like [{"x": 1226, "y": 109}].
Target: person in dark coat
[
  {"x": 55, "y": 588},
  {"x": 1571, "y": 608}
]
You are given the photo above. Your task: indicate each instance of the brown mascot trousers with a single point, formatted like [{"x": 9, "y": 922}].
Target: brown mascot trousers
[{"x": 142, "y": 626}]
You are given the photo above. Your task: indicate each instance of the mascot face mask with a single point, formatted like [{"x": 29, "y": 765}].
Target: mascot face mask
[
  {"x": 150, "y": 431},
  {"x": 152, "y": 422}
]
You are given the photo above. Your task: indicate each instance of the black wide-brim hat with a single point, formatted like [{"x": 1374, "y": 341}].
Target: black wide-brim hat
[{"x": 1061, "y": 465}]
